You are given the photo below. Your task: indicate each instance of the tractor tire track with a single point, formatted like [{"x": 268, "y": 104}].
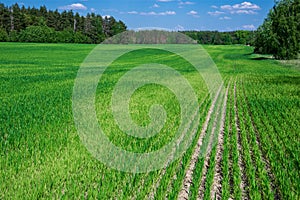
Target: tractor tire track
[
  {"x": 208, "y": 152},
  {"x": 184, "y": 192},
  {"x": 179, "y": 167},
  {"x": 216, "y": 192},
  {"x": 194, "y": 129}
]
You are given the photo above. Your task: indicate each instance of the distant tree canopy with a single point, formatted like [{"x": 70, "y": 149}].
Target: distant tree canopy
[
  {"x": 279, "y": 35},
  {"x": 150, "y": 37},
  {"x": 222, "y": 38},
  {"x": 20, "y": 24}
]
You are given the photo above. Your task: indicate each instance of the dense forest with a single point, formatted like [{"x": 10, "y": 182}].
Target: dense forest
[
  {"x": 20, "y": 24},
  {"x": 42, "y": 25},
  {"x": 222, "y": 38},
  {"x": 279, "y": 35}
]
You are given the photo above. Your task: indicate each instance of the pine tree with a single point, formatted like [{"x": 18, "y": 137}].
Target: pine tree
[
  {"x": 18, "y": 24},
  {"x": 4, "y": 17}
]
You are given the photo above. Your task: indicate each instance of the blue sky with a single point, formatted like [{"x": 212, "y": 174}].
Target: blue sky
[{"x": 222, "y": 15}]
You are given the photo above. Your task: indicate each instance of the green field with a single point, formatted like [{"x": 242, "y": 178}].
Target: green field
[{"x": 247, "y": 145}]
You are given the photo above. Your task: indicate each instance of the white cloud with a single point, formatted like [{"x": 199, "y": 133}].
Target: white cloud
[
  {"x": 247, "y": 8},
  {"x": 74, "y": 6},
  {"x": 226, "y": 7},
  {"x": 155, "y": 6},
  {"x": 193, "y": 13},
  {"x": 247, "y": 12},
  {"x": 246, "y": 5},
  {"x": 215, "y": 7},
  {"x": 242, "y": 6},
  {"x": 170, "y": 12},
  {"x": 148, "y": 13},
  {"x": 186, "y": 3},
  {"x": 225, "y": 18},
  {"x": 93, "y": 10},
  {"x": 158, "y": 14},
  {"x": 164, "y": 0},
  {"x": 250, "y": 27},
  {"x": 215, "y": 13},
  {"x": 133, "y": 12}
]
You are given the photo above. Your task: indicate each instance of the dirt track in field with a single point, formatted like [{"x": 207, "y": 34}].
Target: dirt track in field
[
  {"x": 151, "y": 195},
  {"x": 216, "y": 191},
  {"x": 184, "y": 192}
]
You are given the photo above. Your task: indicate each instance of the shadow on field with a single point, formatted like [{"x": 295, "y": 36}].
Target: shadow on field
[
  {"x": 248, "y": 54},
  {"x": 261, "y": 58},
  {"x": 255, "y": 56}
]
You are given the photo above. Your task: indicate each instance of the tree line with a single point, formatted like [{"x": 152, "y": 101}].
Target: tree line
[
  {"x": 222, "y": 38},
  {"x": 279, "y": 35},
  {"x": 150, "y": 37},
  {"x": 21, "y": 24}
]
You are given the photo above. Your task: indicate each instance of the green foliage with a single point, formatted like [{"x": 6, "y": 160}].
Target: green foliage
[
  {"x": 280, "y": 33},
  {"x": 3, "y": 35},
  {"x": 65, "y": 36},
  {"x": 81, "y": 38},
  {"x": 13, "y": 36},
  {"x": 37, "y": 34},
  {"x": 64, "y": 26},
  {"x": 264, "y": 38},
  {"x": 222, "y": 38}
]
